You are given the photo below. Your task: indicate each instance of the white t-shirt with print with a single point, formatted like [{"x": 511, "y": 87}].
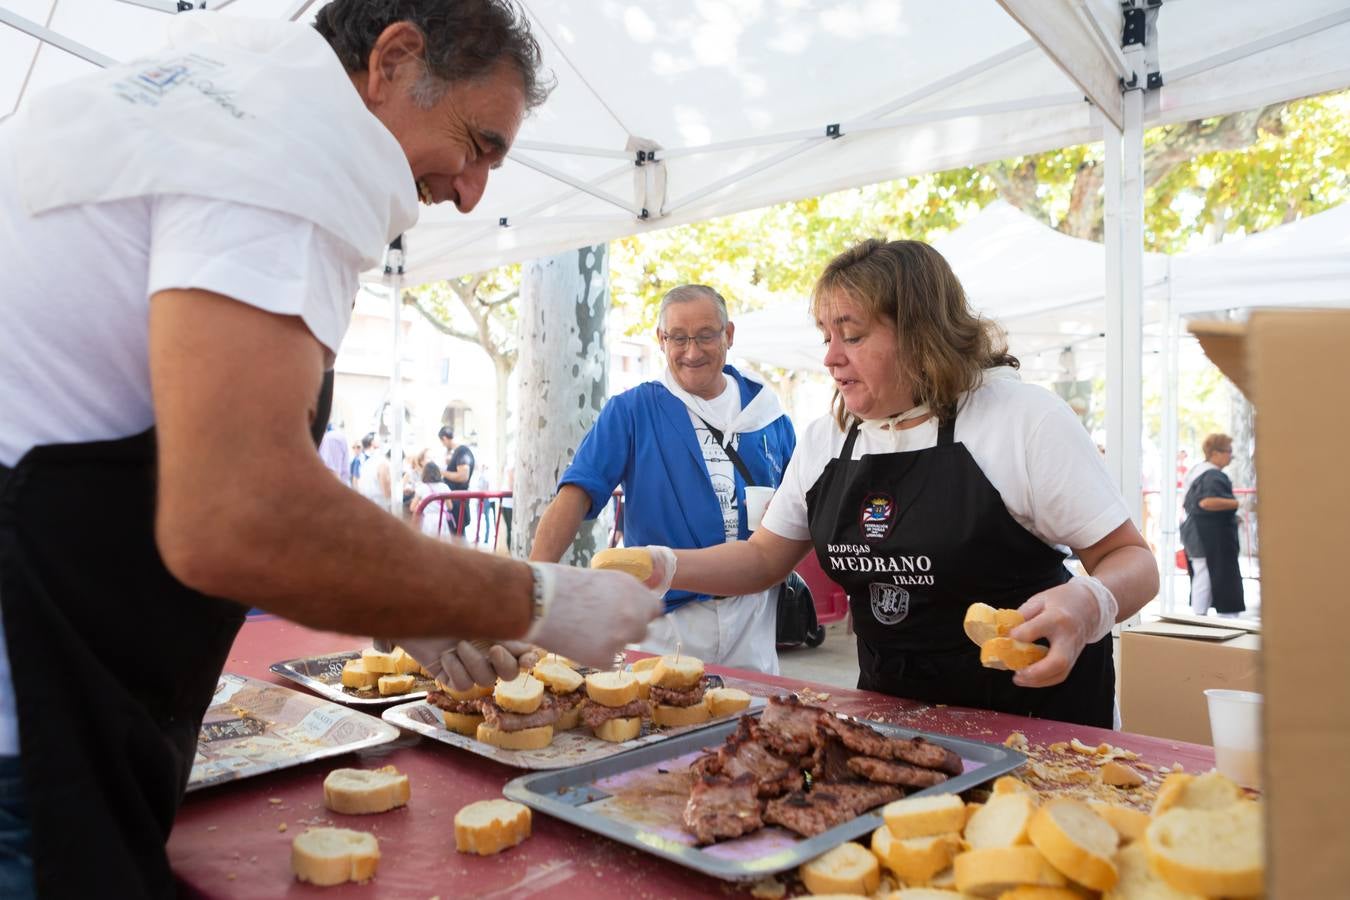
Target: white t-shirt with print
[
  {"x": 74, "y": 355},
  {"x": 1027, "y": 442},
  {"x": 725, "y": 407}
]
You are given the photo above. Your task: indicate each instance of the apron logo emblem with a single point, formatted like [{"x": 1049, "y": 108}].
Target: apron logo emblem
[
  {"x": 890, "y": 603},
  {"x": 878, "y": 515}
]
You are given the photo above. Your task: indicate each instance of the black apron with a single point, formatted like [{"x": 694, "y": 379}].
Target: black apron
[
  {"x": 1212, "y": 535},
  {"x": 915, "y": 538}
]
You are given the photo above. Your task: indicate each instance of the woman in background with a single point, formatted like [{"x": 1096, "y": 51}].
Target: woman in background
[{"x": 1209, "y": 533}]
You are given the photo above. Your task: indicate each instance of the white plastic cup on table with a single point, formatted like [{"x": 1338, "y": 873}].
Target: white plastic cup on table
[
  {"x": 756, "y": 502},
  {"x": 1235, "y": 726}
]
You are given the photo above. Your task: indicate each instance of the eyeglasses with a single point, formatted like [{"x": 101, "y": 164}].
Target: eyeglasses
[{"x": 705, "y": 339}]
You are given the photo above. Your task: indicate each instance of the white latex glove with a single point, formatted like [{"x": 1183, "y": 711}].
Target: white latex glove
[
  {"x": 1070, "y": 616},
  {"x": 462, "y": 664},
  {"x": 591, "y": 614},
  {"x": 663, "y": 568}
]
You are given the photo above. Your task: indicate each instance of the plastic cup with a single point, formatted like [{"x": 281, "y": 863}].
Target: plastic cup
[
  {"x": 1235, "y": 726},
  {"x": 756, "y": 501}
]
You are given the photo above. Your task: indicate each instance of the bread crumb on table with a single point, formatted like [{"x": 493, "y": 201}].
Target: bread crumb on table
[{"x": 281, "y": 826}]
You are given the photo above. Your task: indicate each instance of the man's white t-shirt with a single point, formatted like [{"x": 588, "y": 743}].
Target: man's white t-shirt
[
  {"x": 1027, "y": 442},
  {"x": 74, "y": 364},
  {"x": 725, "y": 407}
]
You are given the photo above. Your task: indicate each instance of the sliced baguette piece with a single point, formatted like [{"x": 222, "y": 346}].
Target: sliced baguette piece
[
  {"x": 558, "y": 677},
  {"x": 359, "y": 792},
  {"x": 389, "y": 685},
  {"x": 477, "y": 692},
  {"x": 1212, "y": 852},
  {"x": 994, "y": 870},
  {"x": 612, "y": 688},
  {"x": 1129, "y": 823},
  {"x": 924, "y": 816},
  {"x": 1138, "y": 881},
  {"x": 1209, "y": 791},
  {"x": 525, "y": 739},
  {"x": 644, "y": 682},
  {"x": 925, "y": 893},
  {"x": 984, "y": 623},
  {"x": 915, "y": 860},
  {"x": 724, "y": 701},
  {"x": 378, "y": 662},
  {"x": 847, "y": 869},
  {"x": 645, "y": 664},
  {"x": 569, "y": 719},
  {"x": 677, "y": 673},
  {"x": 354, "y": 675},
  {"x": 522, "y": 694},
  {"x": 680, "y": 716},
  {"x": 619, "y": 730},
  {"x": 1077, "y": 841},
  {"x": 633, "y": 560},
  {"x": 491, "y": 826},
  {"x": 1001, "y": 822},
  {"x": 1010, "y": 655},
  {"x": 462, "y": 723},
  {"x": 405, "y": 664},
  {"x": 1011, "y": 784},
  {"x": 328, "y": 856},
  {"x": 1033, "y": 892}
]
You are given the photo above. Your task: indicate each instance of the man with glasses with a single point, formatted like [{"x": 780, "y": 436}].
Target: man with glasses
[{"x": 685, "y": 448}]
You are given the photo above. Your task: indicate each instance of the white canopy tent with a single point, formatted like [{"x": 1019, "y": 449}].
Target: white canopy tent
[{"x": 676, "y": 112}]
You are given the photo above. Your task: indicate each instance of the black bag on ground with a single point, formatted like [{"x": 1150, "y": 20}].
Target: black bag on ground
[{"x": 797, "y": 614}]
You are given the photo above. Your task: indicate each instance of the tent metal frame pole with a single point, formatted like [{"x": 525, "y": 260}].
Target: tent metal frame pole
[
  {"x": 299, "y": 9},
  {"x": 1167, "y": 502},
  {"x": 395, "y": 255},
  {"x": 32, "y": 63},
  {"x": 1132, "y": 299},
  {"x": 1279, "y": 38},
  {"x": 1103, "y": 40},
  {"x": 1112, "y": 187},
  {"x": 56, "y": 39},
  {"x": 546, "y": 147},
  {"x": 164, "y": 6},
  {"x": 577, "y": 183}
]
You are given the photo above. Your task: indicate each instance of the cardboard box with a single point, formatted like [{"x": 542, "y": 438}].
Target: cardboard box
[
  {"x": 1165, "y": 669},
  {"x": 1295, "y": 368}
]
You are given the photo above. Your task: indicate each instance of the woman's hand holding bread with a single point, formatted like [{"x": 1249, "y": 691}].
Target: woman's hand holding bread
[
  {"x": 653, "y": 565},
  {"x": 1070, "y": 616}
]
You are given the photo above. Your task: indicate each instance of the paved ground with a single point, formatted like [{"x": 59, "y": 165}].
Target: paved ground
[{"x": 833, "y": 662}]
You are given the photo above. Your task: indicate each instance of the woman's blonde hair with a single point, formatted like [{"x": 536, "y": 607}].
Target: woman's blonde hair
[{"x": 943, "y": 347}]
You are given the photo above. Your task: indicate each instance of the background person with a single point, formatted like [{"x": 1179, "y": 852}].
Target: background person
[
  {"x": 1209, "y": 533},
  {"x": 458, "y": 475},
  {"x": 942, "y": 480},
  {"x": 170, "y": 345},
  {"x": 333, "y": 451},
  {"x": 670, "y": 443}
]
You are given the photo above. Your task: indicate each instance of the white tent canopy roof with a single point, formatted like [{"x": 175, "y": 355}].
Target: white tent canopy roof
[
  {"x": 1045, "y": 287},
  {"x": 738, "y": 96}
]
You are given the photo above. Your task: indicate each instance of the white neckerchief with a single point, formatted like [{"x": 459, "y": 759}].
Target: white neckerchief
[
  {"x": 762, "y": 409},
  {"x": 252, "y": 111}
]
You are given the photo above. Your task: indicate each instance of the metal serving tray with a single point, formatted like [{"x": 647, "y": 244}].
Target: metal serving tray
[
  {"x": 323, "y": 676},
  {"x": 636, "y": 799},
  {"x": 255, "y": 726},
  {"x": 569, "y": 748}
]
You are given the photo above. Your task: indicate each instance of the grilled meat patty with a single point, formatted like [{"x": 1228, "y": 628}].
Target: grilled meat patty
[
  {"x": 687, "y": 697},
  {"x": 498, "y": 718},
  {"x": 722, "y": 808},
  {"x": 826, "y": 805},
  {"x": 595, "y": 715},
  {"x": 891, "y": 772}
]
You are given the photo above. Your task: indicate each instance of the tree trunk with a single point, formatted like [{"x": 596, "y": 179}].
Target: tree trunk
[
  {"x": 564, "y": 378},
  {"x": 502, "y": 366}
]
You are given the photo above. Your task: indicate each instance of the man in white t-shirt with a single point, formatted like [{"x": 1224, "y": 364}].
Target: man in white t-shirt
[
  {"x": 180, "y": 240},
  {"x": 684, "y": 449}
]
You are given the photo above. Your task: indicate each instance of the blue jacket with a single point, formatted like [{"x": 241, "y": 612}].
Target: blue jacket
[{"x": 644, "y": 441}]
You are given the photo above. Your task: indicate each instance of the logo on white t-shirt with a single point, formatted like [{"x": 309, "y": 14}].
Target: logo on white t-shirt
[{"x": 890, "y": 604}]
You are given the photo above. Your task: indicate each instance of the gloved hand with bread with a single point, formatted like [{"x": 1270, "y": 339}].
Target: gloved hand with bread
[
  {"x": 1070, "y": 616},
  {"x": 574, "y": 602}
]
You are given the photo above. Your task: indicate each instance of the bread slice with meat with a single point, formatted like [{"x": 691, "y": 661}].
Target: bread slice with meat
[
  {"x": 614, "y": 690},
  {"x": 329, "y": 856},
  {"x": 358, "y": 792},
  {"x": 535, "y": 738},
  {"x": 1076, "y": 841},
  {"x": 1211, "y": 852},
  {"x": 523, "y": 694}
]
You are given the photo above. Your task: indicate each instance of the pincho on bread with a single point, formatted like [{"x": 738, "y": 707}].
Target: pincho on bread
[
  {"x": 565, "y": 685},
  {"x": 612, "y": 709},
  {"x": 519, "y": 715},
  {"x": 677, "y": 691},
  {"x": 460, "y": 708}
]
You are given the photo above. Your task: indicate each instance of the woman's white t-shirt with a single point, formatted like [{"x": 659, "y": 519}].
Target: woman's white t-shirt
[{"x": 1027, "y": 442}]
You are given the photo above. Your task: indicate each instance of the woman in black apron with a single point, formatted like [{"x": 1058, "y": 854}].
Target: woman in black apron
[
  {"x": 1210, "y": 533},
  {"x": 915, "y": 537}
]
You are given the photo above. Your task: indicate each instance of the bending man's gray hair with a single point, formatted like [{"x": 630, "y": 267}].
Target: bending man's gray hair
[
  {"x": 686, "y": 293},
  {"x": 466, "y": 39}
]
